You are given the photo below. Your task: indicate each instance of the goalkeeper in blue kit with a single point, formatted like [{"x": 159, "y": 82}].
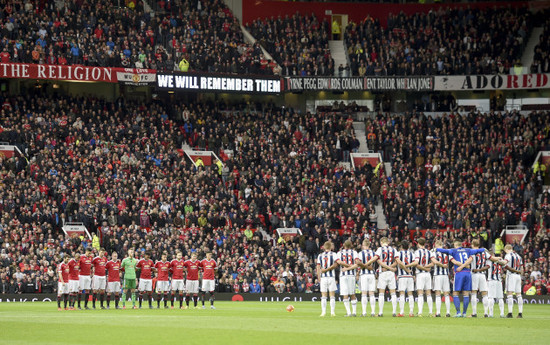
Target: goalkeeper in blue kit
[{"x": 461, "y": 258}]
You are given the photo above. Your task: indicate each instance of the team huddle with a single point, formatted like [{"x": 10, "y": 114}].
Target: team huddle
[
  {"x": 475, "y": 269},
  {"x": 82, "y": 274}
]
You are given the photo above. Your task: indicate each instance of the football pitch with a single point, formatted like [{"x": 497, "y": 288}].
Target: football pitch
[{"x": 259, "y": 323}]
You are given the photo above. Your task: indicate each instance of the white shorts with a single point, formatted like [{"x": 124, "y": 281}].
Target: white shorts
[
  {"x": 368, "y": 282},
  {"x": 62, "y": 288},
  {"x": 177, "y": 285},
  {"x": 145, "y": 285},
  {"x": 208, "y": 285},
  {"x": 347, "y": 285},
  {"x": 163, "y": 286},
  {"x": 495, "y": 289},
  {"x": 192, "y": 286},
  {"x": 513, "y": 283},
  {"x": 423, "y": 281},
  {"x": 113, "y": 287},
  {"x": 98, "y": 283},
  {"x": 479, "y": 282},
  {"x": 386, "y": 280},
  {"x": 85, "y": 282},
  {"x": 405, "y": 284},
  {"x": 328, "y": 284},
  {"x": 441, "y": 283},
  {"x": 74, "y": 286}
]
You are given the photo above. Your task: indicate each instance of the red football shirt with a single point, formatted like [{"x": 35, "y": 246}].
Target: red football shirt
[
  {"x": 192, "y": 269},
  {"x": 163, "y": 268},
  {"x": 114, "y": 271},
  {"x": 146, "y": 267},
  {"x": 177, "y": 269},
  {"x": 63, "y": 269},
  {"x": 99, "y": 266},
  {"x": 85, "y": 265},
  {"x": 208, "y": 269},
  {"x": 74, "y": 269}
]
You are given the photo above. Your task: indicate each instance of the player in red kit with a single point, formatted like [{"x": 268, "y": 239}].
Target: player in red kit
[
  {"x": 163, "y": 269},
  {"x": 74, "y": 283},
  {"x": 98, "y": 282},
  {"x": 145, "y": 286},
  {"x": 113, "y": 279},
  {"x": 176, "y": 268},
  {"x": 85, "y": 278},
  {"x": 63, "y": 282},
  {"x": 209, "y": 268},
  {"x": 192, "y": 267}
]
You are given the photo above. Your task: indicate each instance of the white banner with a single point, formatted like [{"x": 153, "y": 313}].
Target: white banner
[
  {"x": 289, "y": 231},
  {"x": 491, "y": 82}
]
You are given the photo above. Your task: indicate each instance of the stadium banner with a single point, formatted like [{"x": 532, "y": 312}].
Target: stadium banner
[
  {"x": 76, "y": 73},
  {"x": 236, "y": 297},
  {"x": 200, "y": 82},
  {"x": 491, "y": 82},
  {"x": 358, "y": 160},
  {"x": 283, "y": 232},
  {"x": 514, "y": 233},
  {"x": 298, "y": 84}
]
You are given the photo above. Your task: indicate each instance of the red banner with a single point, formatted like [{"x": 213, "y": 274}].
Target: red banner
[{"x": 74, "y": 73}]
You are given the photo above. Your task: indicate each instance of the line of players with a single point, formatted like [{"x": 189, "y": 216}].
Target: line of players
[
  {"x": 79, "y": 275},
  {"x": 475, "y": 270}
]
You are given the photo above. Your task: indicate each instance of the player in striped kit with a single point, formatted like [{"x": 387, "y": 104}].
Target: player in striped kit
[
  {"x": 387, "y": 258},
  {"x": 494, "y": 277},
  {"x": 368, "y": 278},
  {"x": 346, "y": 257},
  {"x": 405, "y": 280},
  {"x": 514, "y": 265},
  {"x": 441, "y": 282},
  {"x": 326, "y": 263},
  {"x": 423, "y": 265}
]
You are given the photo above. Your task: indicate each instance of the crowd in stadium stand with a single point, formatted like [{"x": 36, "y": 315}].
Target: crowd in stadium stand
[
  {"x": 115, "y": 166},
  {"x": 541, "y": 59},
  {"x": 298, "y": 43},
  {"x": 100, "y": 33},
  {"x": 446, "y": 41}
]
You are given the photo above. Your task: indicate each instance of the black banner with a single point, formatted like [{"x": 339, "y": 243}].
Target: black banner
[
  {"x": 297, "y": 84},
  {"x": 218, "y": 83}
]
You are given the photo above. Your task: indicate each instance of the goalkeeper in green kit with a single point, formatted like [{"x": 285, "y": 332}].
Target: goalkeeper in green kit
[{"x": 129, "y": 267}]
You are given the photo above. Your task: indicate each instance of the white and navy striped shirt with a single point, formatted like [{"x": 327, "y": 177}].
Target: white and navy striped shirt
[
  {"x": 424, "y": 257},
  {"x": 407, "y": 256},
  {"x": 326, "y": 260},
  {"x": 514, "y": 261},
  {"x": 387, "y": 255},
  {"x": 495, "y": 271},
  {"x": 480, "y": 261},
  {"x": 347, "y": 256},
  {"x": 444, "y": 259},
  {"x": 364, "y": 256}
]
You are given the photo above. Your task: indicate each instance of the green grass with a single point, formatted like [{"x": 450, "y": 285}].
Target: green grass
[{"x": 253, "y": 323}]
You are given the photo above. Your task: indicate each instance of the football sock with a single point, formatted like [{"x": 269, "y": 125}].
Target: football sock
[
  {"x": 485, "y": 301},
  {"x": 448, "y": 304},
  {"x": 133, "y": 299},
  {"x": 501, "y": 306},
  {"x": 380, "y": 303},
  {"x": 117, "y": 300},
  {"x": 59, "y": 301},
  {"x": 94, "y": 297},
  {"x": 354, "y": 306},
  {"x": 65, "y": 297},
  {"x": 181, "y": 300},
  {"x": 465, "y": 303},
  {"x": 401, "y": 304},
  {"x": 150, "y": 299},
  {"x": 165, "y": 300},
  {"x": 123, "y": 298},
  {"x": 456, "y": 300},
  {"x": 411, "y": 304},
  {"x": 101, "y": 298},
  {"x": 158, "y": 300},
  {"x": 140, "y": 299},
  {"x": 520, "y": 304},
  {"x": 510, "y": 301},
  {"x": 79, "y": 298},
  {"x": 332, "y": 304},
  {"x": 172, "y": 296},
  {"x": 211, "y": 298},
  {"x": 420, "y": 304},
  {"x": 430, "y": 304},
  {"x": 394, "y": 302},
  {"x": 438, "y": 305},
  {"x": 203, "y": 296},
  {"x": 108, "y": 300},
  {"x": 474, "y": 300},
  {"x": 195, "y": 300},
  {"x": 372, "y": 301},
  {"x": 364, "y": 302},
  {"x": 346, "y": 304},
  {"x": 491, "y": 306},
  {"x": 86, "y": 297},
  {"x": 187, "y": 298},
  {"x": 323, "y": 305}
]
